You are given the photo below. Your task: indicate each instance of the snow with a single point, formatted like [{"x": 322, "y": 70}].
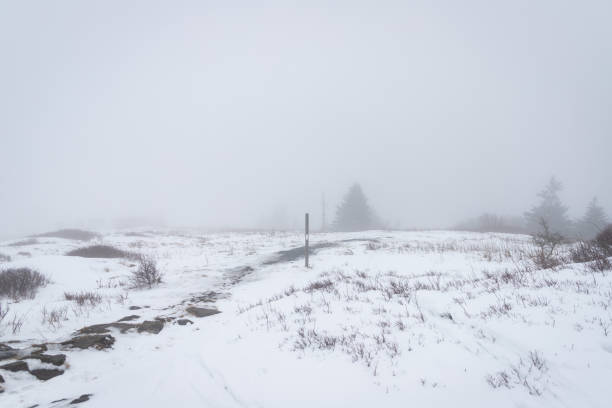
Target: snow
[{"x": 381, "y": 319}]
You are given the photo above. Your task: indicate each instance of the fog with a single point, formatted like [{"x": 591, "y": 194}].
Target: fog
[{"x": 236, "y": 115}]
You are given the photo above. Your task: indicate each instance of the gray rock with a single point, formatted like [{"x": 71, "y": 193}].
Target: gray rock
[
  {"x": 105, "y": 328},
  {"x": 4, "y": 355},
  {"x": 5, "y": 347},
  {"x": 15, "y": 366},
  {"x": 151, "y": 326},
  {"x": 82, "y": 398},
  {"x": 7, "y": 352},
  {"x": 100, "y": 342},
  {"x": 1, "y": 379},
  {"x": 201, "y": 311},
  {"x": 146, "y": 326},
  {"x": 135, "y": 307},
  {"x": 55, "y": 359},
  {"x": 45, "y": 374},
  {"x": 183, "y": 322},
  {"x": 128, "y": 318}
]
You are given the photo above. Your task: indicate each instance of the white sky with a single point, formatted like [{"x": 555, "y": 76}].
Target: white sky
[{"x": 226, "y": 113}]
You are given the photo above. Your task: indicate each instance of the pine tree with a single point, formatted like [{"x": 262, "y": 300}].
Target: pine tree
[
  {"x": 593, "y": 221},
  {"x": 354, "y": 213},
  {"x": 550, "y": 210}
]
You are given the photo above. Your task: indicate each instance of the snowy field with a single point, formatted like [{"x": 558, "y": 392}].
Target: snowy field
[{"x": 381, "y": 319}]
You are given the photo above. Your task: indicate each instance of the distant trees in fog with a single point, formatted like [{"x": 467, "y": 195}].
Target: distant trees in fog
[
  {"x": 592, "y": 222},
  {"x": 354, "y": 213},
  {"x": 554, "y": 213},
  {"x": 550, "y": 209}
]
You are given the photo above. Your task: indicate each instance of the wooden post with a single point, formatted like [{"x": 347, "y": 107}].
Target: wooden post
[{"x": 306, "y": 238}]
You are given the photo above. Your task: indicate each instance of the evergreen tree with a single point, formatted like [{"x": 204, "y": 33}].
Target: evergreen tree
[
  {"x": 354, "y": 213},
  {"x": 593, "y": 221},
  {"x": 550, "y": 210}
]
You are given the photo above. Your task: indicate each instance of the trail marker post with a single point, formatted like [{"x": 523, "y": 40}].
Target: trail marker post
[{"x": 306, "y": 239}]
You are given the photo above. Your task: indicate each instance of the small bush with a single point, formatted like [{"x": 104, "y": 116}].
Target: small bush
[
  {"x": 147, "y": 274},
  {"x": 18, "y": 283},
  {"x": 99, "y": 251},
  {"x": 84, "y": 298},
  {"x": 593, "y": 254},
  {"x": 547, "y": 245},
  {"x": 325, "y": 285},
  {"x": 54, "y": 318},
  {"x": 531, "y": 373}
]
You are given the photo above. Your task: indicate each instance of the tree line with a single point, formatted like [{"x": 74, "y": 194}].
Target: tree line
[{"x": 355, "y": 214}]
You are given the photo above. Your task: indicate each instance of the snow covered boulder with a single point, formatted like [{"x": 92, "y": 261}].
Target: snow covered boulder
[
  {"x": 201, "y": 311},
  {"x": 99, "y": 342}
]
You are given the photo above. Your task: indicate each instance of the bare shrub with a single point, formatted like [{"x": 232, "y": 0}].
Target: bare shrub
[
  {"x": 16, "y": 323},
  {"x": 18, "y": 283},
  {"x": 325, "y": 285},
  {"x": 84, "y": 298},
  {"x": 100, "y": 251},
  {"x": 147, "y": 275},
  {"x": 54, "y": 318},
  {"x": 583, "y": 251},
  {"x": 122, "y": 298},
  {"x": 593, "y": 254},
  {"x": 4, "y": 309},
  {"x": 547, "y": 245},
  {"x": 530, "y": 373}
]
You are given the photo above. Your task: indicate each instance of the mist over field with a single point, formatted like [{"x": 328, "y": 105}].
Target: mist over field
[
  {"x": 242, "y": 115},
  {"x": 305, "y": 204}
]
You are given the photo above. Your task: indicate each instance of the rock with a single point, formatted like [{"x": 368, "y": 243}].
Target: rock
[
  {"x": 5, "y": 347},
  {"x": 151, "y": 326},
  {"x": 147, "y": 326},
  {"x": 55, "y": 359},
  {"x": 45, "y": 374},
  {"x": 59, "y": 400},
  {"x": 1, "y": 389},
  {"x": 4, "y": 355},
  {"x": 201, "y": 311},
  {"x": 82, "y": 398},
  {"x": 6, "y": 352},
  {"x": 98, "y": 341},
  {"x": 15, "y": 366},
  {"x": 128, "y": 318},
  {"x": 183, "y": 322},
  {"x": 209, "y": 297},
  {"x": 135, "y": 307},
  {"x": 41, "y": 348},
  {"x": 105, "y": 328},
  {"x": 1, "y": 379}
]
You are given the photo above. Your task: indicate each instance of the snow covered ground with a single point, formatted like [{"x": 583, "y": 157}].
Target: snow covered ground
[{"x": 383, "y": 319}]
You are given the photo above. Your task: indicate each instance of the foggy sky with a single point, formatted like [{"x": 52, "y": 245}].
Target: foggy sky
[{"x": 224, "y": 114}]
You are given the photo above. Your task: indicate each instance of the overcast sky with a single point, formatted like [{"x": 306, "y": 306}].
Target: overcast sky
[{"x": 227, "y": 113}]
